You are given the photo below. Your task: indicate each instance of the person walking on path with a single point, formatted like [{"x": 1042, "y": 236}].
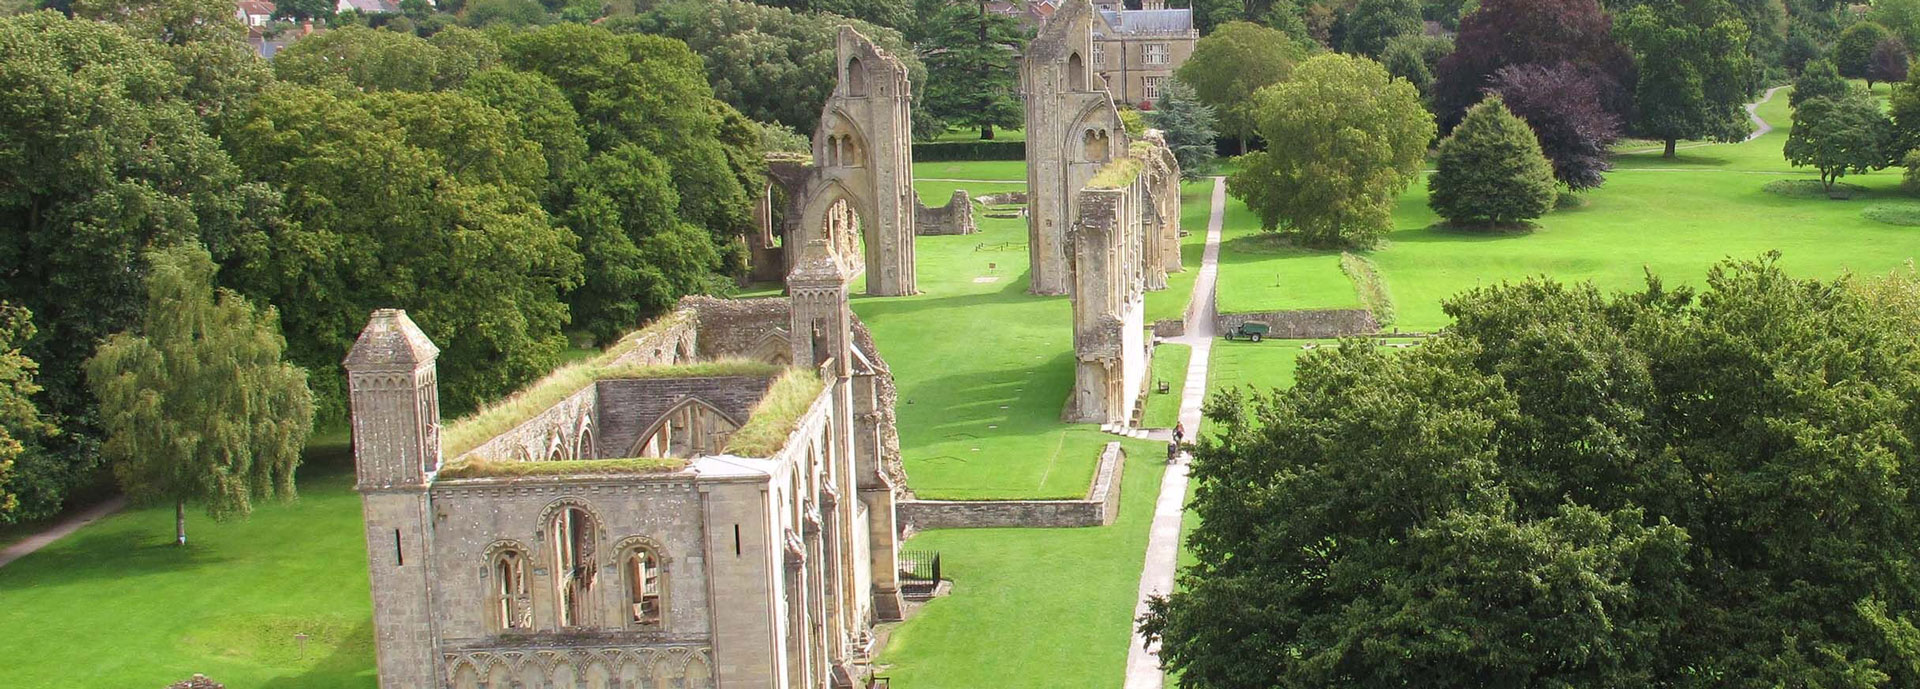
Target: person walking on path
[{"x": 1179, "y": 432}]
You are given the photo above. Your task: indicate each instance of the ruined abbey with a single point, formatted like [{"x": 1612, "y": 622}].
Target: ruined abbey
[{"x": 712, "y": 502}]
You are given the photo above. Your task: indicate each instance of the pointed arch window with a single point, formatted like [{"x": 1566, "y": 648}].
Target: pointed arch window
[
  {"x": 511, "y": 607},
  {"x": 644, "y": 583},
  {"x": 692, "y": 429},
  {"x": 572, "y": 537}
]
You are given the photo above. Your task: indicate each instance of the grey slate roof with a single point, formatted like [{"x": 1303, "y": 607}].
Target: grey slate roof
[{"x": 1150, "y": 21}]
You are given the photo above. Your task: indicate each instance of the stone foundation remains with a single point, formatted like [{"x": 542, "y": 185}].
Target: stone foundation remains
[
  {"x": 954, "y": 218},
  {"x": 1302, "y": 325},
  {"x": 1099, "y": 508}
]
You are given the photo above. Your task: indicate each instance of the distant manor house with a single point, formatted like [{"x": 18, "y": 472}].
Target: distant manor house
[{"x": 1134, "y": 51}]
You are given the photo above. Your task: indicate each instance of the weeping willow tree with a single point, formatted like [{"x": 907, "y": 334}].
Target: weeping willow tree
[{"x": 197, "y": 403}]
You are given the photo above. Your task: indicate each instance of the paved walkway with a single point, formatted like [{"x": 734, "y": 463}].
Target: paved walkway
[
  {"x": 1163, "y": 542},
  {"x": 58, "y": 531}
]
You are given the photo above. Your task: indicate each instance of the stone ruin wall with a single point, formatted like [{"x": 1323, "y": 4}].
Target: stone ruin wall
[
  {"x": 952, "y": 219},
  {"x": 1099, "y": 508},
  {"x": 1303, "y": 325}
]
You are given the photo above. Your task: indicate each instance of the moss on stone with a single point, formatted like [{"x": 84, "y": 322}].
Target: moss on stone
[
  {"x": 489, "y": 468},
  {"x": 1118, "y": 173},
  {"x": 774, "y": 417}
]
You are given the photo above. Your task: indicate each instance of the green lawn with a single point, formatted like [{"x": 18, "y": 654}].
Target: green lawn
[
  {"x": 973, "y": 134},
  {"x": 983, "y": 368},
  {"x": 118, "y": 605},
  {"x": 1196, "y": 202},
  {"x": 1170, "y": 365},
  {"x": 1260, "y": 273},
  {"x": 1039, "y": 608}
]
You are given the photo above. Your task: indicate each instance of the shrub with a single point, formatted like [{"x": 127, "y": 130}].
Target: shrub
[
  {"x": 948, "y": 151},
  {"x": 1491, "y": 170}
]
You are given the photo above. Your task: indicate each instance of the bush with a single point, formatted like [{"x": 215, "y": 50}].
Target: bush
[
  {"x": 1491, "y": 170},
  {"x": 1910, "y": 182},
  {"x": 947, "y": 151}
]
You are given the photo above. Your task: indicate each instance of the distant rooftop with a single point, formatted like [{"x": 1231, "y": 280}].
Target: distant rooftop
[{"x": 1147, "y": 22}]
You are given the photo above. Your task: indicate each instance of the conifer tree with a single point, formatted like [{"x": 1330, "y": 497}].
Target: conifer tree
[
  {"x": 1491, "y": 171},
  {"x": 198, "y": 404},
  {"x": 1188, "y": 126}
]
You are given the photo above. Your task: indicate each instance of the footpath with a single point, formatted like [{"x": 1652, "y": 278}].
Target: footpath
[{"x": 1163, "y": 541}]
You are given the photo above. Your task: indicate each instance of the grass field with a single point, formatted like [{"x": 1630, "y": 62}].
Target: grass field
[
  {"x": 1032, "y": 608},
  {"x": 1001, "y": 170},
  {"x": 118, "y": 605},
  {"x": 1170, "y": 365},
  {"x": 1196, "y": 199},
  {"x": 1260, "y": 273}
]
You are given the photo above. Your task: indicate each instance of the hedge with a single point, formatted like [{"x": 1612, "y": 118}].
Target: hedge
[{"x": 945, "y": 151}]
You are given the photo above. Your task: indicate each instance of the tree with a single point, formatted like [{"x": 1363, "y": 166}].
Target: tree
[
  {"x": 1843, "y": 135},
  {"x": 1612, "y": 513},
  {"x": 1818, "y": 80},
  {"x": 198, "y": 404},
  {"x": 1344, "y": 140},
  {"x": 641, "y": 256},
  {"x": 1563, "y": 107},
  {"x": 973, "y": 68},
  {"x": 318, "y": 10},
  {"x": 1853, "y": 52},
  {"x": 1888, "y": 63},
  {"x": 1904, "y": 107},
  {"x": 1694, "y": 70},
  {"x": 450, "y": 229},
  {"x": 361, "y": 58},
  {"x": 1900, "y": 17},
  {"x": 94, "y": 180},
  {"x": 20, "y": 422},
  {"x": 1188, "y": 126},
  {"x": 1490, "y": 171},
  {"x": 1414, "y": 57},
  {"x": 893, "y": 14},
  {"x": 1233, "y": 63},
  {"x": 1373, "y": 23},
  {"x": 1524, "y": 32},
  {"x": 771, "y": 64}
]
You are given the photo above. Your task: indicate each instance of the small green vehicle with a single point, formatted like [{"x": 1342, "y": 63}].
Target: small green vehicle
[{"x": 1252, "y": 330}]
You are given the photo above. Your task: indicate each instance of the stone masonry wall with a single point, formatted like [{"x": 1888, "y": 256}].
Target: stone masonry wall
[
  {"x": 535, "y": 438},
  {"x": 1099, "y": 508},
  {"x": 1295, "y": 325},
  {"x": 629, "y": 407},
  {"x": 954, "y": 218},
  {"x": 732, "y": 327}
]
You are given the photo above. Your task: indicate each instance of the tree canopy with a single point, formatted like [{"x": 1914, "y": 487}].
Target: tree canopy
[
  {"x": 1576, "y": 489},
  {"x": 1344, "y": 140},
  {"x": 1853, "y": 52},
  {"x": 1531, "y": 32},
  {"x": 1490, "y": 172},
  {"x": 1841, "y": 135},
  {"x": 197, "y": 403},
  {"x": 1373, "y": 23},
  {"x": 1562, "y": 106},
  {"x": 1695, "y": 73},
  {"x": 1188, "y": 126},
  {"x": 1818, "y": 79},
  {"x": 1232, "y": 64},
  {"x": 973, "y": 69}
]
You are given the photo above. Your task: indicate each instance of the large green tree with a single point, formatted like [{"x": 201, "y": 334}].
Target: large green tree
[
  {"x": 1841, "y": 135},
  {"x": 973, "y": 68},
  {"x": 1233, "y": 63},
  {"x": 1695, "y": 72},
  {"x": 105, "y": 152},
  {"x": 770, "y": 63},
  {"x": 1371, "y": 24},
  {"x": 1819, "y": 79},
  {"x": 21, "y": 426},
  {"x": 1853, "y": 52},
  {"x": 1344, "y": 139},
  {"x": 427, "y": 202},
  {"x": 1664, "y": 488},
  {"x": 1490, "y": 171},
  {"x": 197, "y": 403}
]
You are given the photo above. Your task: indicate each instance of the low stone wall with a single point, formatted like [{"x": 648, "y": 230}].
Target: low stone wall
[
  {"x": 1300, "y": 325},
  {"x": 954, "y": 218},
  {"x": 1169, "y": 328},
  {"x": 1099, "y": 508},
  {"x": 1004, "y": 199}
]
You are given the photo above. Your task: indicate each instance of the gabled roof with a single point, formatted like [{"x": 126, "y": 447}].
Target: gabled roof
[
  {"x": 1132, "y": 22},
  {"x": 368, "y": 6}
]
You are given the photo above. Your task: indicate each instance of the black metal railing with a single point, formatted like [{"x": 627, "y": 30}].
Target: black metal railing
[{"x": 920, "y": 565}]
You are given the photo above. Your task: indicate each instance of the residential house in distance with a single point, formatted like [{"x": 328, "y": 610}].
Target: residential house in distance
[
  {"x": 368, "y": 6},
  {"x": 256, "y": 14}
]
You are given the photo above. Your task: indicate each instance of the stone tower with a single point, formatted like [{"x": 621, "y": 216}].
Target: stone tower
[
  {"x": 396, "y": 450},
  {"x": 863, "y": 163},
  {"x": 1073, "y": 130}
]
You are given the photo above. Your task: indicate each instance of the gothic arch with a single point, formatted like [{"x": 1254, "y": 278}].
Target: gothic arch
[
  {"x": 652, "y": 443},
  {"x": 1096, "y": 115},
  {"x": 816, "y": 215},
  {"x": 773, "y": 348},
  {"x": 856, "y": 78},
  {"x": 1076, "y": 72}
]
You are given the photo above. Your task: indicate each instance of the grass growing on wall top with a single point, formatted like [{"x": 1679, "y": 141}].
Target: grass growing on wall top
[
  {"x": 474, "y": 430},
  {"x": 490, "y": 468},
  {"x": 774, "y": 416},
  {"x": 1372, "y": 287},
  {"x": 1118, "y": 173}
]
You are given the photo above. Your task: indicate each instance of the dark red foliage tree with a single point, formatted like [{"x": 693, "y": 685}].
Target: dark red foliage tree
[
  {"x": 1564, "y": 108},
  {"x": 1532, "y": 32},
  {"x": 1888, "y": 63}
]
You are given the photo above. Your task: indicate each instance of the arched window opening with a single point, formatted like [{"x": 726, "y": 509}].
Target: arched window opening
[
  {"x": 693, "y": 429},
  {"x": 645, "y": 587},
  {"x": 1093, "y": 145},
  {"x": 1076, "y": 73},
  {"x": 572, "y": 537},
  {"x": 856, "y": 78},
  {"x": 842, "y": 227},
  {"x": 512, "y": 607},
  {"x": 584, "y": 448}
]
